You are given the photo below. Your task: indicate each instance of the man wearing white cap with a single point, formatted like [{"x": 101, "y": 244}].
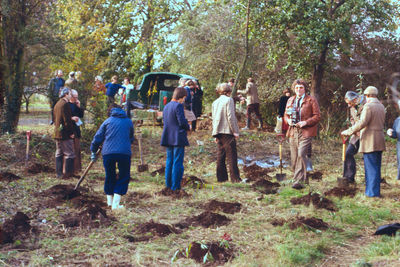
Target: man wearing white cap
[{"x": 372, "y": 139}]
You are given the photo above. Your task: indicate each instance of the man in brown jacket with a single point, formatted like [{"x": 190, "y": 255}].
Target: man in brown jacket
[
  {"x": 64, "y": 134},
  {"x": 302, "y": 115},
  {"x": 372, "y": 139},
  {"x": 253, "y": 103}
]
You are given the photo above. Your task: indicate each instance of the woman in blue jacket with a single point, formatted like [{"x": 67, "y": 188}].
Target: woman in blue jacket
[
  {"x": 116, "y": 135},
  {"x": 174, "y": 138},
  {"x": 394, "y": 132}
]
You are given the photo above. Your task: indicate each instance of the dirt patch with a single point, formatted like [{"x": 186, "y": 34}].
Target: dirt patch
[
  {"x": 157, "y": 229},
  {"x": 255, "y": 172},
  {"x": 159, "y": 171},
  {"x": 8, "y": 177},
  {"x": 177, "y": 194},
  {"x": 317, "y": 175},
  {"x": 206, "y": 219},
  {"x": 317, "y": 200},
  {"x": 312, "y": 222},
  {"x": 227, "y": 207},
  {"x": 59, "y": 194},
  {"x": 266, "y": 187},
  {"x": 350, "y": 191},
  {"x": 193, "y": 182},
  {"x": 277, "y": 222},
  {"x": 219, "y": 254},
  {"x": 92, "y": 216},
  {"x": 38, "y": 168},
  {"x": 82, "y": 201},
  {"x": 134, "y": 197},
  {"x": 205, "y": 124},
  {"x": 15, "y": 229}
]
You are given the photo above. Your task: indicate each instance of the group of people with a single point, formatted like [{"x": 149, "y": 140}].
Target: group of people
[{"x": 301, "y": 114}]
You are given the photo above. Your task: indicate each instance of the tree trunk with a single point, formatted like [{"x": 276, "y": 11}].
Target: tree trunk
[
  {"x": 318, "y": 73},
  {"x": 234, "y": 89}
]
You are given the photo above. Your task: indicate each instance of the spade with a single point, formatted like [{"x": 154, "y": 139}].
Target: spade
[{"x": 280, "y": 176}]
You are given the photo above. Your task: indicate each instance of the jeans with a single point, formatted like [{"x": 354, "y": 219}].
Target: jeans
[
  {"x": 398, "y": 159},
  {"x": 174, "y": 167},
  {"x": 349, "y": 165},
  {"x": 112, "y": 185},
  {"x": 372, "y": 165}
]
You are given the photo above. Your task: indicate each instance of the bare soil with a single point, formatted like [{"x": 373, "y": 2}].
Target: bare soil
[
  {"x": 255, "y": 172},
  {"x": 35, "y": 168},
  {"x": 192, "y": 181},
  {"x": 278, "y": 222},
  {"x": 206, "y": 219},
  {"x": 15, "y": 229},
  {"x": 57, "y": 195},
  {"x": 227, "y": 207},
  {"x": 317, "y": 200},
  {"x": 157, "y": 229},
  {"x": 159, "y": 171},
  {"x": 204, "y": 124},
  {"x": 266, "y": 187},
  {"x": 177, "y": 194},
  {"x": 349, "y": 191},
  {"x": 92, "y": 216},
  {"x": 220, "y": 255},
  {"x": 317, "y": 175},
  {"x": 312, "y": 222},
  {"x": 8, "y": 177}
]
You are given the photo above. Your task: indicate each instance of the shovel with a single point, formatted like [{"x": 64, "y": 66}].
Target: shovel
[
  {"x": 280, "y": 176},
  {"x": 28, "y": 138},
  {"x": 341, "y": 180},
  {"x": 87, "y": 169},
  {"x": 142, "y": 167}
]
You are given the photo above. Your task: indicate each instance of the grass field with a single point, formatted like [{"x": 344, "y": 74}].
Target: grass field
[{"x": 256, "y": 237}]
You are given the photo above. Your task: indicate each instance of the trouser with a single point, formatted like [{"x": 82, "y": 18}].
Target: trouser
[
  {"x": 174, "y": 167},
  {"x": 112, "y": 185},
  {"x": 128, "y": 108},
  {"x": 78, "y": 159},
  {"x": 253, "y": 108},
  {"x": 372, "y": 166},
  {"x": 53, "y": 102},
  {"x": 227, "y": 149},
  {"x": 110, "y": 100},
  {"x": 349, "y": 164},
  {"x": 65, "y": 148},
  {"x": 299, "y": 146}
]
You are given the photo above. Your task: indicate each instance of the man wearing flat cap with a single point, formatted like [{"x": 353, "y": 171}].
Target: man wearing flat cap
[
  {"x": 372, "y": 139},
  {"x": 64, "y": 134}
]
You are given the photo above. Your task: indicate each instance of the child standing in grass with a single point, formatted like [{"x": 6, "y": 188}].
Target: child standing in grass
[{"x": 174, "y": 138}]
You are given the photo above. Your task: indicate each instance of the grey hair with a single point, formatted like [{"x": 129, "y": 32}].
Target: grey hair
[
  {"x": 223, "y": 88},
  {"x": 351, "y": 95},
  {"x": 98, "y": 77},
  {"x": 74, "y": 92}
]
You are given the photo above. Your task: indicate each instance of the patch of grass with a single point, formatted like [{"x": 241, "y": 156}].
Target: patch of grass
[{"x": 386, "y": 247}]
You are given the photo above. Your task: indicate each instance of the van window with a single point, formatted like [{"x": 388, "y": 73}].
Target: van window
[{"x": 171, "y": 83}]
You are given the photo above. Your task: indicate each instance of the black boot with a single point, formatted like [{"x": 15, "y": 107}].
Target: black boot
[
  {"x": 59, "y": 166},
  {"x": 69, "y": 168},
  {"x": 194, "y": 123}
]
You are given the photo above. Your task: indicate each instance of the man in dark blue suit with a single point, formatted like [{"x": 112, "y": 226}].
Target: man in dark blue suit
[{"x": 174, "y": 138}]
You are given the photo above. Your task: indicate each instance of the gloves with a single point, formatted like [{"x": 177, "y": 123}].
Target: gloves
[
  {"x": 390, "y": 132},
  {"x": 93, "y": 157},
  {"x": 346, "y": 132}
]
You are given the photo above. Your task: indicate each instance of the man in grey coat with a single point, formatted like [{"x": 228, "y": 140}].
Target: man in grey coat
[{"x": 253, "y": 103}]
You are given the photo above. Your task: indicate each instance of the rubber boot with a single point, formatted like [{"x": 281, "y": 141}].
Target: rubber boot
[
  {"x": 69, "y": 168},
  {"x": 260, "y": 124},
  {"x": 59, "y": 166},
  {"x": 309, "y": 165},
  {"x": 109, "y": 200},
  {"x": 194, "y": 123},
  {"x": 115, "y": 203},
  {"x": 247, "y": 124}
]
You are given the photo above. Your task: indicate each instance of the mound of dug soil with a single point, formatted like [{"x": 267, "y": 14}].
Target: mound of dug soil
[
  {"x": 315, "y": 175},
  {"x": 206, "y": 219},
  {"x": 8, "y": 177},
  {"x": 177, "y": 194},
  {"x": 157, "y": 229},
  {"x": 192, "y": 181},
  {"x": 266, "y": 187},
  {"x": 316, "y": 199},
  {"x": 277, "y": 222},
  {"x": 87, "y": 201},
  {"x": 205, "y": 124},
  {"x": 135, "y": 197},
  {"x": 159, "y": 171},
  {"x": 227, "y": 207},
  {"x": 255, "y": 172},
  {"x": 92, "y": 216},
  {"x": 309, "y": 222},
  {"x": 350, "y": 191},
  {"x": 16, "y": 228},
  {"x": 38, "y": 168},
  {"x": 220, "y": 254},
  {"x": 59, "y": 194}
]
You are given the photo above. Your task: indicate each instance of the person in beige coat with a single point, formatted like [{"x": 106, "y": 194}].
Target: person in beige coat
[
  {"x": 226, "y": 131},
  {"x": 372, "y": 139},
  {"x": 253, "y": 103}
]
